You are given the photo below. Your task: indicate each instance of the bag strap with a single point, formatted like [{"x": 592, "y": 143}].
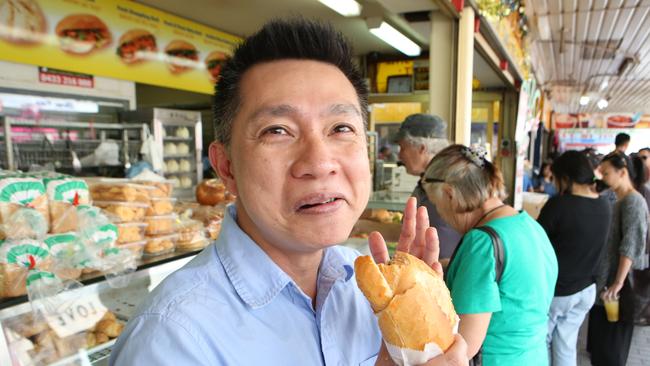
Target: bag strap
[{"x": 497, "y": 246}]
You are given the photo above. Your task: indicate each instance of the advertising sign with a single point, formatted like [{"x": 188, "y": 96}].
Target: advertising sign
[{"x": 114, "y": 38}]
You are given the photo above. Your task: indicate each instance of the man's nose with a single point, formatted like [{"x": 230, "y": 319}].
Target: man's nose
[{"x": 316, "y": 159}]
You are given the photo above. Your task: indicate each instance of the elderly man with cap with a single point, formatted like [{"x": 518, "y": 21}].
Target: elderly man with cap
[{"x": 420, "y": 138}]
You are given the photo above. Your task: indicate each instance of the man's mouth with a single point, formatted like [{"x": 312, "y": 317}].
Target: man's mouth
[{"x": 319, "y": 202}]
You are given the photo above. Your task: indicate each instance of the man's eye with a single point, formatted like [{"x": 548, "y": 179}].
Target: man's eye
[
  {"x": 343, "y": 129},
  {"x": 275, "y": 131}
]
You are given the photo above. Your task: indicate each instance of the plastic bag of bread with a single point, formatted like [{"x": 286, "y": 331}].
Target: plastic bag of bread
[
  {"x": 17, "y": 259},
  {"x": 17, "y": 193},
  {"x": 64, "y": 250},
  {"x": 119, "y": 262},
  {"x": 119, "y": 211},
  {"x": 416, "y": 316},
  {"x": 63, "y": 195},
  {"x": 25, "y": 223}
]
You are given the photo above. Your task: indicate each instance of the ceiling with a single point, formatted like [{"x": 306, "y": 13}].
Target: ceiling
[
  {"x": 244, "y": 17},
  {"x": 597, "y": 48}
]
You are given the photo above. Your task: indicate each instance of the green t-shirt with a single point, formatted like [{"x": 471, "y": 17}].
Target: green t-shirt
[{"x": 519, "y": 303}]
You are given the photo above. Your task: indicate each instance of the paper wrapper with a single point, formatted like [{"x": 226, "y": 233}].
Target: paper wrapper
[{"x": 411, "y": 357}]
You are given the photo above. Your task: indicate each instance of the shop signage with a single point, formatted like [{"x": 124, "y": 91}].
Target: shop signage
[
  {"x": 76, "y": 315},
  {"x": 114, "y": 38},
  {"x": 36, "y": 103},
  {"x": 54, "y": 76},
  {"x": 601, "y": 120}
]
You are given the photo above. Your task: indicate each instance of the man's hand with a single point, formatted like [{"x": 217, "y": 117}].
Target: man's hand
[
  {"x": 416, "y": 238},
  {"x": 456, "y": 355}
]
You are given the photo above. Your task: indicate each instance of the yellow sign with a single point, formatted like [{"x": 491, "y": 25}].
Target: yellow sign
[{"x": 114, "y": 38}]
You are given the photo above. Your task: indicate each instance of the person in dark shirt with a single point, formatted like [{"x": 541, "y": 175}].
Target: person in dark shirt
[{"x": 577, "y": 222}]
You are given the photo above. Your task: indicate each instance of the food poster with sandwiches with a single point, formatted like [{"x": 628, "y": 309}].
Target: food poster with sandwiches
[
  {"x": 114, "y": 38},
  {"x": 601, "y": 120}
]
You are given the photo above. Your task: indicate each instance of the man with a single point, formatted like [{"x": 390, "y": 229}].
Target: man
[
  {"x": 622, "y": 141},
  {"x": 644, "y": 154},
  {"x": 290, "y": 115},
  {"x": 420, "y": 138},
  {"x": 387, "y": 155}
]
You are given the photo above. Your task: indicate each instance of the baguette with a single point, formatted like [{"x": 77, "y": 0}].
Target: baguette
[{"x": 410, "y": 299}]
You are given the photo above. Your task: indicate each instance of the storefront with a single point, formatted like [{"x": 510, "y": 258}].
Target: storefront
[{"x": 81, "y": 104}]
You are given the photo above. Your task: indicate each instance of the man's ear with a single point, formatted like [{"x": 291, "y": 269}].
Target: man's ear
[{"x": 221, "y": 163}]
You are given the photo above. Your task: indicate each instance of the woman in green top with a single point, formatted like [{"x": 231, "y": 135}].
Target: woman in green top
[{"x": 507, "y": 319}]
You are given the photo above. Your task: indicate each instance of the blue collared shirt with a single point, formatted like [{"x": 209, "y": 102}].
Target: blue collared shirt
[{"x": 232, "y": 305}]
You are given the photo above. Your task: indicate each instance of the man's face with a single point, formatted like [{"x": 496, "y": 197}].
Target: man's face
[
  {"x": 623, "y": 147},
  {"x": 411, "y": 156},
  {"x": 645, "y": 155},
  {"x": 298, "y": 155}
]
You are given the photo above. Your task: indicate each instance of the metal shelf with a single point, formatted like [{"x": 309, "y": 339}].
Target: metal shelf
[{"x": 178, "y": 139}]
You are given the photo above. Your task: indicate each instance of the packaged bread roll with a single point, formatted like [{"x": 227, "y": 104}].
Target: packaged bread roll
[{"x": 416, "y": 316}]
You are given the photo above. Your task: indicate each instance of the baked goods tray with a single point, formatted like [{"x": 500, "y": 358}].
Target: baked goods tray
[{"x": 97, "y": 277}]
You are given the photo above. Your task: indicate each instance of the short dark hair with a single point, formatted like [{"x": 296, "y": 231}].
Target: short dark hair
[
  {"x": 621, "y": 139},
  {"x": 572, "y": 167},
  {"x": 640, "y": 173},
  {"x": 282, "y": 39},
  {"x": 644, "y": 149}
]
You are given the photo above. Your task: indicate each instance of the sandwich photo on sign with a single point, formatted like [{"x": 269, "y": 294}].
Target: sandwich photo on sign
[
  {"x": 181, "y": 56},
  {"x": 82, "y": 34},
  {"x": 213, "y": 63},
  {"x": 22, "y": 22},
  {"x": 137, "y": 45}
]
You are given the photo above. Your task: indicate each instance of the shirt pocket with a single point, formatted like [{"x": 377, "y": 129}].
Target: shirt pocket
[{"x": 370, "y": 361}]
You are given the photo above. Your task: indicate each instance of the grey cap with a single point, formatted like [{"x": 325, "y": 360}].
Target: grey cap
[{"x": 422, "y": 125}]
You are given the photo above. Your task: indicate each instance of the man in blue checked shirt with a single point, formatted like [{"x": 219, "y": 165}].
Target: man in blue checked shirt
[{"x": 290, "y": 118}]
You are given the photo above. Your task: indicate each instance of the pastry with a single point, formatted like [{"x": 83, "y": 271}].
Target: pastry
[
  {"x": 170, "y": 149},
  {"x": 160, "y": 244},
  {"x": 186, "y": 182},
  {"x": 183, "y": 132},
  {"x": 210, "y": 192},
  {"x": 159, "y": 225},
  {"x": 171, "y": 166},
  {"x": 101, "y": 337},
  {"x": 158, "y": 189},
  {"x": 185, "y": 166},
  {"x": 111, "y": 328},
  {"x": 130, "y": 232},
  {"x": 410, "y": 299},
  {"x": 123, "y": 211},
  {"x": 183, "y": 149},
  {"x": 160, "y": 206},
  {"x": 119, "y": 192}
]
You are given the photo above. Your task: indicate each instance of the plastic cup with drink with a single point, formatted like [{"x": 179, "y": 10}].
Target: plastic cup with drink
[{"x": 611, "y": 305}]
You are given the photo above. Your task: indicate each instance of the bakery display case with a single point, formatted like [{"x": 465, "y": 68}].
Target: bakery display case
[
  {"x": 178, "y": 135},
  {"x": 79, "y": 326}
]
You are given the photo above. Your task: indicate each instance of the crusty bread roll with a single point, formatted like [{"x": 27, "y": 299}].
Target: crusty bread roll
[
  {"x": 210, "y": 192},
  {"x": 410, "y": 299}
]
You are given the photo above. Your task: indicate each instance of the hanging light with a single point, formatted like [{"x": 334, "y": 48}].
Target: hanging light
[
  {"x": 584, "y": 100},
  {"x": 602, "y": 103}
]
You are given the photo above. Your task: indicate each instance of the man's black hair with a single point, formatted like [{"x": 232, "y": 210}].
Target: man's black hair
[
  {"x": 621, "y": 139},
  {"x": 283, "y": 39}
]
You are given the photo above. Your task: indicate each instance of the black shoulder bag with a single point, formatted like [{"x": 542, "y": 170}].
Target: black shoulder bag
[{"x": 497, "y": 246}]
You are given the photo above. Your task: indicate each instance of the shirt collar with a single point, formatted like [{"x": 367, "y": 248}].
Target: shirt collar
[{"x": 255, "y": 277}]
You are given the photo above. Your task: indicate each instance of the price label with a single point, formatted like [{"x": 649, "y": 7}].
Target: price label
[{"x": 76, "y": 315}]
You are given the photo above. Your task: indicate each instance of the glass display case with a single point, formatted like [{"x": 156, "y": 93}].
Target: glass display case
[
  {"x": 179, "y": 135},
  {"x": 79, "y": 326}
]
